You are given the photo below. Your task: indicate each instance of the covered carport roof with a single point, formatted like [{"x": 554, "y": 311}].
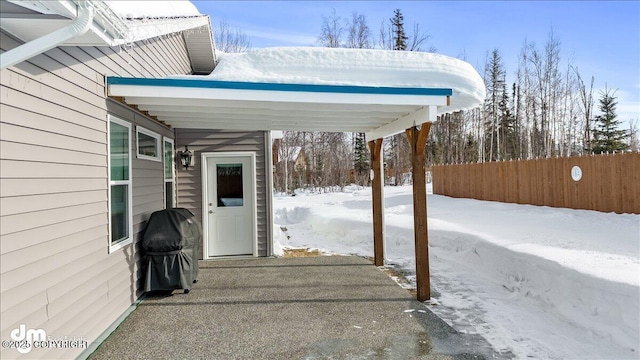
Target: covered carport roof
[
  {"x": 378, "y": 92},
  {"x": 214, "y": 104}
]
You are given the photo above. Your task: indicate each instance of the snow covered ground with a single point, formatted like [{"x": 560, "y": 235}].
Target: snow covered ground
[{"x": 538, "y": 282}]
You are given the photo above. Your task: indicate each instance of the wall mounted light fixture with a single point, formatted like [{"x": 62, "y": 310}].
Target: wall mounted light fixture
[{"x": 186, "y": 157}]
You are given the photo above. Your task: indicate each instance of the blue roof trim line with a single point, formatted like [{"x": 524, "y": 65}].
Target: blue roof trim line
[{"x": 237, "y": 85}]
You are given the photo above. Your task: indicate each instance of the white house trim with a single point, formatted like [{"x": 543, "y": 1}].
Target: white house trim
[{"x": 205, "y": 157}]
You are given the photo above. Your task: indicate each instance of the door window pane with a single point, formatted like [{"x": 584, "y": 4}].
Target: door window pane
[
  {"x": 119, "y": 213},
  {"x": 119, "y": 147},
  {"x": 229, "y": 184}
]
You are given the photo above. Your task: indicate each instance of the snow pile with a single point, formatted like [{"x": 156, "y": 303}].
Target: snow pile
[
  {"x": 538, "y": 282},
  {"x": 158, "y": 9},
  {"x": 356, "y": 67}
]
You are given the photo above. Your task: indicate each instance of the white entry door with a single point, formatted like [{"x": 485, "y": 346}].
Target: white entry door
[{"x": 230, "y": 205}]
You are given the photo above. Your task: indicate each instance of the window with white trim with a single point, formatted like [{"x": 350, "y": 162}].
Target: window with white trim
[
  {"x": 169, "y": 161},
  {"x": 148, "y": 144},
  {"x": 120, "y": 185}
]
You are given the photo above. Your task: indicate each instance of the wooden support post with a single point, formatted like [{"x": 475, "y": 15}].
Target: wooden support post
[
  {"x": 418, "y": 142},
  {"x": 375, "y": 147}
]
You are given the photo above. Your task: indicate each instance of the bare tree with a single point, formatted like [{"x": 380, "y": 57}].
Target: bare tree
[
  {"x": 331, "y": 31},
  {"x": 289, "y": 150},
  {"x": 549, "y": 85},
  {"x": 330, "y": 154},
  {"x": 634, "y": 139},
  {"x": 543, "y": 92},
  {"x": 570, "y": 134},
  {"x": 548, "y": 111},
  {"x": 586, "y": 105},
  {"x": 385, "y": 36},
  {"x": 358, "y": 32},
  {"x": 230, "y": 39},
  {"x": 418, "y": 39}
]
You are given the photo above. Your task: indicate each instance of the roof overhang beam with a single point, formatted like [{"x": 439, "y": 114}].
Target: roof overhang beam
[
  {"x": 152, "y": 102},
  {"x": 427, "y": 114}
]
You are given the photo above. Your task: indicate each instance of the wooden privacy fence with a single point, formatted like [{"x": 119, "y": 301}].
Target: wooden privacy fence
[{"x": 609, "y": 183}]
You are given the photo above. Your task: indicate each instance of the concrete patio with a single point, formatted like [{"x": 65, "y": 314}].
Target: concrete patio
[{"x": 328, "y": 307}]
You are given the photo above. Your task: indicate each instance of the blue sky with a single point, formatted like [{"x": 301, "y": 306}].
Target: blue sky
[{"x": 601, "y": 38}]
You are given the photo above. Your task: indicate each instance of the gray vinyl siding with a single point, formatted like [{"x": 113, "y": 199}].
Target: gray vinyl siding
[
  {"x": 55, "y": 267},
  {"x": 190, "y": 184},
  {"x": 147, "y": 176}
]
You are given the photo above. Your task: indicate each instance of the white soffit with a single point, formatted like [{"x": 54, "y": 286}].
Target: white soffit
[{"x": 377, "y": 111}]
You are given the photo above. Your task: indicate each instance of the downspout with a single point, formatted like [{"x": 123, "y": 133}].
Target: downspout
[{"x": 37, "y": 46}]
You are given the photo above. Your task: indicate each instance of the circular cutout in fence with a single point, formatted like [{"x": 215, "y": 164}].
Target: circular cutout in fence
[{"x": 576, "y": 173}]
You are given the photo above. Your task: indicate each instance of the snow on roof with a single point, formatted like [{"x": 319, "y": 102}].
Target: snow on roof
[
  {"x": 147, "y": 19},
  {"x": 360, "y": 67},
  {"x": 156, "y": 9}
]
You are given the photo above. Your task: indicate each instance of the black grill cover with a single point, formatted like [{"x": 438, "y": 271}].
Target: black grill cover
[{"x": 171, "y": 242}]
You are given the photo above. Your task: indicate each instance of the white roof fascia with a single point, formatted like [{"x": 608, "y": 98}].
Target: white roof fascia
[{"x": 273, "y": 96}]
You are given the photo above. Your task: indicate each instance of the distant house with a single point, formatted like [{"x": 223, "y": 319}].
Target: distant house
[
  {"x": 299, "y": 159},
  {"x": 299, "y": 165},
  {"x": 293, "y": 155},
  {"x": 99, "y": 104},
  {"x": 290, "y": 162}
]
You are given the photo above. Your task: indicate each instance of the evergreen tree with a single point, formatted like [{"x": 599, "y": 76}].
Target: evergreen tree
[
  {"x": 471, "y": 149},
  {"x": 495, "y": 104},
  {"x": 392, "y": 35},
  {"x": 361, "y": 160},
  {"x": 399, "y": 36},
  {"x": 508, "y": 135},
  {"x": 607, "y": 137}
]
